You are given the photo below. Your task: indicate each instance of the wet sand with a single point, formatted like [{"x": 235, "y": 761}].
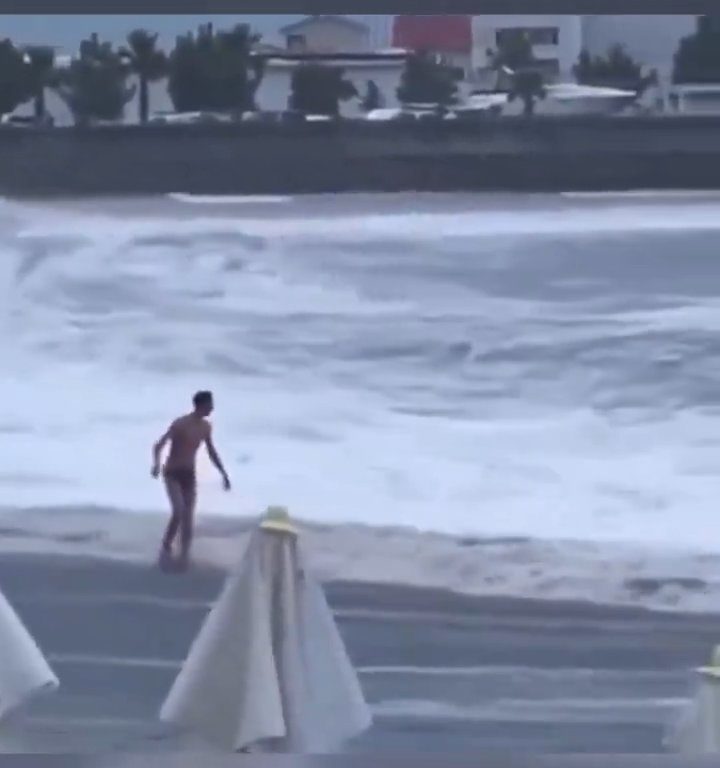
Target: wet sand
[{"x": 444, "y": 673}]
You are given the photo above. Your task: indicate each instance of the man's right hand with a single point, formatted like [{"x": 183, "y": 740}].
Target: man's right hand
[{"x": 155, "y": 471}]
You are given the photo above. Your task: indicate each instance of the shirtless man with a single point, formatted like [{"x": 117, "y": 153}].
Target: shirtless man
[{"x": 185, "y": 436}]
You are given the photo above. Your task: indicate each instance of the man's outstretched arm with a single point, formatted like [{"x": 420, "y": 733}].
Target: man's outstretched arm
[
  {"x": 157, "y": 450},
  {"x": 215, "y": 458}
]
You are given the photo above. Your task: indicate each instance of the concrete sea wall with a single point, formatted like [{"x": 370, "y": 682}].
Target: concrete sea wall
[{"x": 584, "y": 153}]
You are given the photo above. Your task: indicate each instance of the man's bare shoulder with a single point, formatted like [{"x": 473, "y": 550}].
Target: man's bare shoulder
[
  {"x": 191, "y": 424},
  {"x": 182, "y": 423}
]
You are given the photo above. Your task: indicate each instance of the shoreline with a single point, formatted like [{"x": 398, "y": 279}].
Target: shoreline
[
  {"x": 387, "y": 597},
  {"x": 268, "y": 205},
  {"x": 581, "y": 576}
]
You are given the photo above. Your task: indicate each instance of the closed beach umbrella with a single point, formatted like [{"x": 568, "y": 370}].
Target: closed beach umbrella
[
  {"x": 24, "y": 672},
  {"x": 268, "y": 671},
  {"x": 697, "y": 731}
]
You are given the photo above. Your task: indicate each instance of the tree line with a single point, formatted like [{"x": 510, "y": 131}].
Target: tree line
[{"x": 221, "y": 71}]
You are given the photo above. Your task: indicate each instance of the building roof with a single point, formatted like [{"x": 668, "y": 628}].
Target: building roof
[
  {"x": 310, "y": 20},
  {"x": 437, "y": 34},
  {"x": 264, "y": 48}
]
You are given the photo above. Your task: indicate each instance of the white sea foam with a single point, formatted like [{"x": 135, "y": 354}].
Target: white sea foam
[
  {"x": 605, "y": 573},
  {"x": 182, "y": 197},
  {"x": 681, "y": 212},
  {"x": 591, "y": 710},
  {"x": 647, "y": 194},
  {"x": 545, "y": 370}
]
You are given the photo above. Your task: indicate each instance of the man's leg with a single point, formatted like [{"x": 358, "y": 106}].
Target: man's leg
[
  {"x": 187, "y": 520},
  {"x": 177, "y": 504}
]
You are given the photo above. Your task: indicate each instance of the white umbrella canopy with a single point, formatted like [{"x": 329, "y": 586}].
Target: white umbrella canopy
[
  {"x": 24, "y": 672},
  {"x": 268, "y": 670},
  {"x": 697, "y": 730}
]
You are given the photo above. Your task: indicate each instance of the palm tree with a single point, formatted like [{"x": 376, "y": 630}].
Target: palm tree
[
  {"x": 147, "y": 62},
  {"x": 615, "y": 70},
  {"x": 216, "y": 71},
  {"x": 41, "y": 61},
  {"x": 514, "y": 61},
  {"x": 425, "y": 80},
  {"x": 15, "y": 85},
  {"x": 94, "y": 85},
  {"x": 697, "y": 59},
  {"x": 527, "y": 85},
  {"x": 318, "y": 89}
]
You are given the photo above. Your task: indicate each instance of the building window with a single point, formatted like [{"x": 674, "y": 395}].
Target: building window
[
  {"x": 548, "y": 68},
  {"x": 296, "y": 42},
  {"x": 535, "y": 35},
  {"x": 544, "y": 36}
]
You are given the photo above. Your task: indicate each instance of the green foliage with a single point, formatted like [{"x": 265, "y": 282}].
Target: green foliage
[
  {"x": 516, "y": 64},
  {"x": 697, "y": 59},
  {"x": 16, "y": 84},
  {"x": 317, "y": 89},
  {"x": 426, "y": 81},
  {"x": 373, "y": 98},
  {"x": 515, "y": 52},
  {"x": 147, "y": 62},
  {"x": 528, "y": 87},
  {"x": 617, "y": 69},
  {"x": 94, "y": 86},
  {"x": 215, "y": 72}
]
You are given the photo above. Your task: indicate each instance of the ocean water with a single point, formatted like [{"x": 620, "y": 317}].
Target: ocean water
[{"x": 452, "y": 385}]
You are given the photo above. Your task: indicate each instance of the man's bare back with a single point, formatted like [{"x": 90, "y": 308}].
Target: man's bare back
[{"x": 185, "y": 436}]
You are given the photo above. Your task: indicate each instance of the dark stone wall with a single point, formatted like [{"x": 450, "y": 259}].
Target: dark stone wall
[{"x": 583, "y": 153}]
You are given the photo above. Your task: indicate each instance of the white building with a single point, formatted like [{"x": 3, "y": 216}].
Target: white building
[
  {"x": 689, "y": 99},
  {"x": 276, "y": 84},
  {"x": 327, "y": 34},
  {"x": 556, "y": 40}
]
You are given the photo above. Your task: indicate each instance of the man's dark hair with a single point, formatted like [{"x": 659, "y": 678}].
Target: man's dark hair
[{"x": 204, "y": 397}]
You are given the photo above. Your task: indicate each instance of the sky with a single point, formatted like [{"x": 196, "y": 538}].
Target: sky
[{"x": 66, "y": 32}]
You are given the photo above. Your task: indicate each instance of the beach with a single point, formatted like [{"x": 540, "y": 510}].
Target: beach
[
  {"x": 495, "y": 417},
  {"x": 443, "y": 672}
]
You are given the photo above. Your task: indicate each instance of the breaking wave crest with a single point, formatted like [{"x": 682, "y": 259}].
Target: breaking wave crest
[
  {"x": 513, "y": 567},
  {"x": 514, "y": 373}
]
